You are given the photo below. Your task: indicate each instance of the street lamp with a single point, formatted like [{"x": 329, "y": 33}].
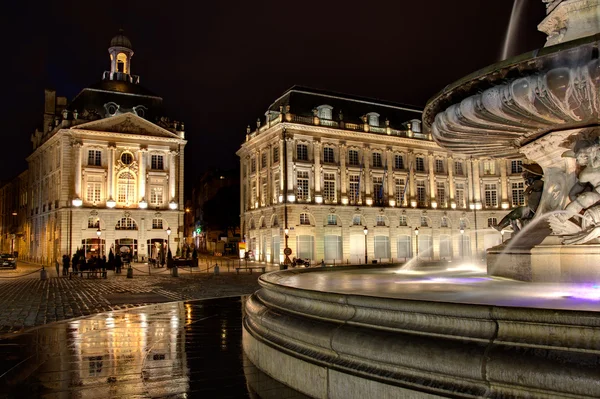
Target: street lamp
[
  {"x": 462, "y": 242},
  {"x": 417, "y": 242},
  {"x": 287, "y": 251},
  {"x": 366, "y": 231},
  {"x": 168, "y": 235},
  {"x": 99, "y": 233}
]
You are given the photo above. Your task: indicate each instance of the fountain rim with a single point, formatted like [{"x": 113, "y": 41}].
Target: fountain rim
[{"x": 494, "y": 74}]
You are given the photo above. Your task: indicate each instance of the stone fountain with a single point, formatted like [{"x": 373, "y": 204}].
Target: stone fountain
[
  {"x": 373, "y": 332},
  {"x": 544, "y": 105}
]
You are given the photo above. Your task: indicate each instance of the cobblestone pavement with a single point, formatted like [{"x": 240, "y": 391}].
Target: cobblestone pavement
[{"x": 26, "y": 301}]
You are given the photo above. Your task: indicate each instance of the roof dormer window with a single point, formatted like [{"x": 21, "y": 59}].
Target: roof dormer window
[
  {"x": 415, "y": 125},
  {"x": 324, "y": 111},
  {"x": 373, "y": 118}
]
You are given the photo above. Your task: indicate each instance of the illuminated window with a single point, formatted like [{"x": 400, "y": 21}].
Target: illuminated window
[
  {"x": 331, "y": 220},
  {"x": 421, "y": 193},
  {"x": 380, "y": 220},
  {"x": 122, "y": 63},
  {"x": 252, "y": 165},
  {"x": 354, "y": 193},
  {"x": 126, "y": 223},
  {"x": 126, "y": 188},
  {"x": 263, "y": 191},
  {"x": 439, "y": 166},
  {"x": 276, "y": 189},
  {"x": 156, "y": 162},
  {"x": 420, "y": 164},
  {"x": 516, "y": 167},
  {"x": 458, "y": 168},
  {"x": 518, "y": 198},
  {"x": 398, "y": 162},
  {"x": 254, "y": 194},
  {"x": 402, "y": 221},
  {"x": 95, "y": 158},
  {"x": 263, "y": 160},
  {"x": 491, "y": 195},
  {"x": 400, "y": 191},
  {"x": 378, "y": 190},
  {"x": 353, "y": 157},
  {"x": 377, "y": 160},
  {"x": 373, "y": 118},
  {"x": 459, "y": 195},
  {"x": 441, "y": 194},
  {"x": 275, "y": 154},
  {"x": 329, "y": 187},
  {"x": 93, "y": 223},
  {"x": 302, "y": 186},
  {"x": 489, "y": 167},
  {"x": 156, "y": 196},
  {"x": 328, "y": 156},
  {"x": 304, "y": 219},
  {"x": 324, "y": 111},
  {"x": 302, "y": 152},
  {"x": 157, "y": 223},
  {"x": 93, "y": 191}
]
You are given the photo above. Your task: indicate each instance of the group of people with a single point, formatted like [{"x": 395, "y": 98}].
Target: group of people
[{"x": 79, "y": 263}]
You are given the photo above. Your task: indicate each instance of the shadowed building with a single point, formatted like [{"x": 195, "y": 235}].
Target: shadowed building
[{"x": 341, "y": 171}]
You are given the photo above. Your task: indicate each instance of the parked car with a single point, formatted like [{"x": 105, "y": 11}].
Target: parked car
[{"x": 8, "y": 260}]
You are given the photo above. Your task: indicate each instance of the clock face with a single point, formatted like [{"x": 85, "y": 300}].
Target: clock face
[{"x": 126, "y": 158}]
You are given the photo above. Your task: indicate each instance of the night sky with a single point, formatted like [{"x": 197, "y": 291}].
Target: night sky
[{"x": 219, "y": 65}]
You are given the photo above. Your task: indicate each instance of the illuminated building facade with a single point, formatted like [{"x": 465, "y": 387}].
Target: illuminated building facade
[
  {"x": 341, "y": 172},
  {"x": 106, "y": 171}
]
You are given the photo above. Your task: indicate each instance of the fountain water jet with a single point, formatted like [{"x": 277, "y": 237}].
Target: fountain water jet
[{"x": 511, "y": 31}]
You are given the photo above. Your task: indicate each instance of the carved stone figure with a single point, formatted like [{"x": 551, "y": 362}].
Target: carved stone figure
[{"x": 533, "y": 175}]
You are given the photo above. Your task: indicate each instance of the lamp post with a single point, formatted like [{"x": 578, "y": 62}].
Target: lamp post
[
  {"x": 287, "y": 251},
  {"x": 168, "y": 244},
  {"x": 417, "y": 242},
  {"x": 99, "y": 233},
  {"x": 462, "y": 243},
  {"x": 366, "y": 231}
]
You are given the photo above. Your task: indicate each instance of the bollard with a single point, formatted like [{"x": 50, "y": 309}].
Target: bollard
[
  {"x": 174, "y": 271},
  {"x": 43, "y": 274},
  {"x": 216, "y": 271},
  {"x": 130, "y": 272}
]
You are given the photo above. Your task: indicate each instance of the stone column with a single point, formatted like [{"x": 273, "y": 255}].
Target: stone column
[
  {"x": 317, "y": 164},
  {"x": 432, "y": 187},
  {"x": 290, "y": 166},
  {"x": 172, "y": 192},
  {"x": 503, "y": 184},
  {"x": 450, "y": 163},
  {"x": 389, "y": 168},
  {"x": 257, "y": 177},
  {"x": 77, "y": 149},
  {"x": 411, "y": 177},
  {"x": 343, "y": 171},
  {"x": 282, "y": 158},
  {"x": 476, "y": 182},
  {"x": 142, "y": 173},
  {"x": 110, "y": 181},
  {"x": 366, "y": 171},
  {"x": 269, "y": 193}
]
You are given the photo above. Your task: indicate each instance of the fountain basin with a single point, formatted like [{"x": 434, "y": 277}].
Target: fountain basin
[{"x": 351, "y": 333}]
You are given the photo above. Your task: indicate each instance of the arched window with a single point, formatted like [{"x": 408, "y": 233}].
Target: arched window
[
  {"x": 274, "y": 221},
  {"x": 356, "y": 220},
  {"x": 122, "y": 63},
  {"x": 304, "y": 219},
  {"x": 93, "y": 222},
  {"x": 373, "y": 118},
  {"x": 126, "y": 223},
  {"x": 126, "y": 188}
]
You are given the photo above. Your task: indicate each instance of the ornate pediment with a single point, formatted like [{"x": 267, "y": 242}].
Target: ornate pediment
[{"x": 127, "y": 123}]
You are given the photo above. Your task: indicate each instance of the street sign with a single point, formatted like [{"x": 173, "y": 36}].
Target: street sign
[{"x": 287, "y": 251}]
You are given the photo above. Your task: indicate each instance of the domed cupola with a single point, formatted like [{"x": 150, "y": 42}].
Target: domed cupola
[{"x": 120, "y": 51}]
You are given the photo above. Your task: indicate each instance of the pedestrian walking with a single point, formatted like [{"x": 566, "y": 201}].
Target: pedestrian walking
[
  {"x": 65, "y": 260},
  {"x": 118, "y": 264}
]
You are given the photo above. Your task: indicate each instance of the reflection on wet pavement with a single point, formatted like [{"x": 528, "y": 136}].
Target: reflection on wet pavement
[{"x": 176, "y": 350}]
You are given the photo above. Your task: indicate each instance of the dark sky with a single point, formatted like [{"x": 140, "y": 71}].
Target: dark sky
[{"x": 219, "y": 65}]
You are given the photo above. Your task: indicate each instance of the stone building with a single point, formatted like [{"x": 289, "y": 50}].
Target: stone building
[
  {"x": 106, "y": 171},
  {"x": 341, "y": 172}
]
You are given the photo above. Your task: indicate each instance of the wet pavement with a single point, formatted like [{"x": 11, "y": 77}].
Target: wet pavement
[{"x": 176, "y": 350}]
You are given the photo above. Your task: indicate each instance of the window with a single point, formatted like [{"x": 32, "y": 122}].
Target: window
[
  {"x": 378, "y": 190},
  {"x": 517, "y": 194},
  {"x": 492, "y": 222},
  {"x": 424, "y": 221},
  {"x": 276, "y": 189},
  {"x": 126, "y": 188},
  {"x": 329, "y": 187},
  {"x": 263, "y": 191},
  {"x": 95, "y": 158},
  {"x": 381, "y": 247},
  {"x": 126, "y": 158},
  {"x": 253, "y": 165},
  {"x": 463, "y": 224},
  {"x": 275, "y": 154},
  {"x": 377, "y": 160},
  {"x": 444, "y": 222},
  {"x": 420, "y": 164},
  {"x": 458, "y": 168},
  {"x": 439, "y": 166},
  {"x": 489, "y": 167},
  {"x": 305, "y": 247},
  {"x": 398, "y": 162},
  {"x": 380, "y": 220},
  {"x": 324, "y": 111},
  {"x": 373, "y": 118},
  {"x": 354, "y": 193},
  {"x": 156, "y": 196},
  {"x": 93, "y": 223},
  {"x": 400, "y": 191},
  {"x": 421, "y": 193},
  {"x": 275, "y": 221},
  {"x": 353, "y": 157},
  {"x": 491, "y": 195},
  {"x": 441, "y": 194},
  {"x": 263, "y": 160},
  {"x": 460, "y": 195},
  {"x": 328, "y": 155},
  {"x": 302, "y": 182},
  {"x": 516, "y": 167},
  {"x": 331, "y": 220},
  {"x": 304, "y": 219},
  {"x": 333, "y": 247},
  {"x": 302, "y": 152},
  {"x": 157, "y": 223},
  {"x": 404, "y": 246},
  {"x": 94, "y": 188},
  {"x": 126, "y": 223},
  {"x": 356, "y": 220},
  {"x": 254, "y": 194},
  {"x": 157, "y": 162},
  {"x": 402, "y": 221},
  {"x": 445, "y": 247}
]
